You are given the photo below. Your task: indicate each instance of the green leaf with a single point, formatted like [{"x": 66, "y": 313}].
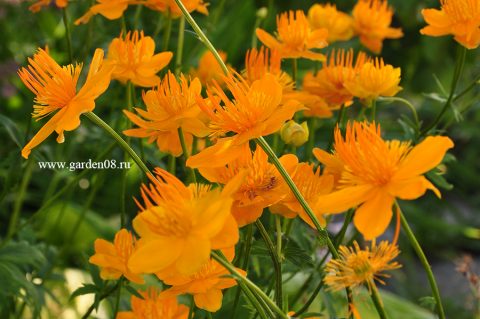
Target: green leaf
[
  {"x": 134, "y": 292},
  {"x": 84, "y": 290},
  {"x": 297, "y": 255},
  {"x": 11, "y": 129}
]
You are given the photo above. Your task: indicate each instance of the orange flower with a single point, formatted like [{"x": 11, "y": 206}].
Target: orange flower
[
  {"x": 295, "y": 37},
  {"x": 174, "y": 9},
  {"x": 372, "y": 19},
  {"x": 311, "y": 185},
  {"x": 154, "y": 305},
  {"x": 329, "y": 83},
  {"x": 113, "y": 258},
  {"x": 461, "y": 18},
  {"x": 110, "y": 9},
  {"x": 205, "y": 285},
  {"x": 37, "y": 6},
  {"x": 374, "y": 79},
  {"x": 183, "y": 223},
  {"x": 255, "y": 110},
  {"x": 326, "y": 16},
  {"x": 376, "y": 172},
  {"x": 261, "y": 187},
  {"x": 135, "y": 61},
  {"x": 356, "y": 266},
  {"x": 55, "y": 88},
  {"x": 209, "y": 69},
  {"x": 171, "y": 106}
]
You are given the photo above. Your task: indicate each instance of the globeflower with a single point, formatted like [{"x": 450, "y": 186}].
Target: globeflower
[
  {"x": 374, "y": 172},
  {"x": 55, "y": 89},
  {"x": 113, "y": 258},
  {"x": 110, "y": 9},
  {"x": 205, "y": 285},
  {"x": 135, "y": 61},
  {"x": 374, "y": 79},
  {"x": 182, "y": 223},
  {"x": 326, "y": 16},
  {"x": 255, "y": 110},
  {"x": 208, "y": 68},
  {"x": 356, "y": 266},
  {"x": 329, "y": 82},
  {"x": 261, "y": 187},
  {"x": 154, "y": 305},
  {"x": 173, "y": 9},
  {"x": 460, "y": 18},
  {"x": 37, "y": 6},
  {"x": 295, "y": 38},
  {"x": 371, "y": 21},
  {"x": 170, "y": 106}
]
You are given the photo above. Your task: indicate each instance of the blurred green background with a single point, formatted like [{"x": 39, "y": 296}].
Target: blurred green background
[{"x": 447, "y": 229}]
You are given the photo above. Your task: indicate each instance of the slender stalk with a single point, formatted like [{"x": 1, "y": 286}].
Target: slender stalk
[
  {"x": 209, "y": 315},
  {"x": 117, "y": 298},
  {"x": 17, "y": 206},
  {"x": 100, "y": 298},
  {"x": 186, "y": 154},
  {"x": 181, "y": 36},
  {"x": 405, "y": 102},
  {"x": 377, "y": 301},
  {"x": 277, "y": 265},
  {"x": 123, "y": 186},
  {"x": 278, "y": 229},
  {"x": 456, "y": 76},
  {"x": 123, "y": 26},
  {"x": 338, "y": 123},
  {"x": 202, "y": 35},
  {"x": 98, "y": 121},
  {"x": 310, "y": 300},
  {"x": 341, "y": 234},
  {"x": 218, "y": 256},
  {"x": 374, "y": 110},
  {"x": 264, "y": 145},
  {"x": 423, "y": 259},
  {"x": 192, "y": 308},
  {"x": 253, "y": 300},
  {"x": 168, "y": 31},
  {"x": 312, "y": 127},
  {"x": 294, "y": 71},
  {"x": 67, "y": 35},
  {"x": 473, "y": 84}
]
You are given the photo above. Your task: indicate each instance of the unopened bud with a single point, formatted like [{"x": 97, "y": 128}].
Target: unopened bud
[
  {"x": 294, "y": 133},
  {"x": 262, "y": 13}
]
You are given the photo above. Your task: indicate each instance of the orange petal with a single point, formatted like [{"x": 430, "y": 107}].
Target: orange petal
[
  {"x": 228, "y": 236},
  {"x": 210, "y": 301},
  {"x": 155, "y": 254},
  {"x": 424, "y": 157},
  {"x": 412, "y": 188},
  {"x": 373, "y": 217},
  {"x": 196, "y": 253},
  {"x": 346, "y": 198},
  {"x": 221, "y": 153},
  {"x": 267, "y": 39}
]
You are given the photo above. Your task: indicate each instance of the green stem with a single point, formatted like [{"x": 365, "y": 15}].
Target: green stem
[
  {"x": 312, "y": 127},
  {"x": 98, "y": 121},
  {"x": 294, "y": 71},
  {"x": 218, "y": 256},
  {"x": 117, "y": 298},
  {"x": 123, "y": 25},
  {"x": 474, "y": 83},
  {"x": 202, "y": 35},
  {"x": 253, "y": 300},
  {"x": 181, "y": 36},
  {"x": 456, "y": 76},
  {"x": 168, "y": 31},
  {"x": 341, "y": 234},
  {"x": 322, "y": 231},
  {"x": 171, "y": 164},
  {"x": 123, "y": 187},
  {"x": 100, "y": 298},
  {"x": 423, "y": 259},
  {"x": 17, "y": 206},
  {"x": 374, "y": 110},
  {"x": 277, "y": 265},
  {"x": 377, "y": 301},
  {"x": 405, "y": 102},
  {"x": 68, "y": 35},
  {"x": 192, "y": 308},
  {"x": 338, "y": 123},
  {"x": 186, "y": 154},
  {"x": 310, "y": 300}
]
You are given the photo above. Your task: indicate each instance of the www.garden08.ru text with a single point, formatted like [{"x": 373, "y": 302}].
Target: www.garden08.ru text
[{"x": 73, "y": 166}]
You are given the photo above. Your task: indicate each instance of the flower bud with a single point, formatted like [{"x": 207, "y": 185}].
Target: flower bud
[
  {"x": 262, "y": 13},
  {"x": 294, "y": 133}
]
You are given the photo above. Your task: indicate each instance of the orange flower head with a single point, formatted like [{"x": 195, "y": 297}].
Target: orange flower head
[
  {"x": 311, "y": 185},
  {"x": 205, "y": 285},
  {"x": 329, "y": 83},
  {"x": 55, "y": 89},
  {"x": 154, "y": 305},
  {"x": 184, "y": 223},
  {"x": 110, "y": 9},
  {"x": 135, "y": 61},
  {"x": 372, "y": 19},
  {"x": 37, "y": 6},
  {"x": 326, "y": 16},
  {"x": 356, "y": 266},
  {"x": 170, "y": 106},
  {"x": 261, "y": 187},
  {"x": 373, "y": 79},
  {"x": 113, "y": 258},
  {"x": 255, "y": 110},
  {"x": 374, "y": 172},
  {"x": 209, "y": 69},
  {"x": 173, "y": 9},
  {"x": 460, "y": 18},
  {"x": 295, "y": 38}
]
